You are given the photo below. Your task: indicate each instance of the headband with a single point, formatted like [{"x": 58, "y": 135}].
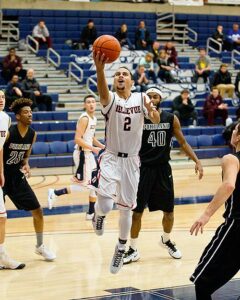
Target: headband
[{"x": 154, "y": 90}]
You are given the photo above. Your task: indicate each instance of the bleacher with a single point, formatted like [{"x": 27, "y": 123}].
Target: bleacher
[{"x": 55, "y": 130}]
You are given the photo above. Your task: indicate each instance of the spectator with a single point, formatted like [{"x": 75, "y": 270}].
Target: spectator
[
  {"x": 41, "y": 34},
  {"x": 202, "y": 67},
  {"x": 184, "y": 109},
  {"x": 234, "y": 36},
  {"x": 148, "y": 64},
  {"x": 237, "y": 85},
  {"x": 15, "y": 91},
  {"x": 172, "y": 53},
  {"x": 142, "y": 37},
  {"x": 31, "y": 87},
  {"x": 12, "y": 65},
  {"x": 220, "y": 37},
  {"x": 214, "y": 107},
  {"x": 155, "y": 51},
  {"x": 165, "y": 70},
  {"x": 140, "y": 79},
  {"x": 222, "y": 80},
  {"x": 88, "y": 35},
  {"x": 122, "y": 36}
]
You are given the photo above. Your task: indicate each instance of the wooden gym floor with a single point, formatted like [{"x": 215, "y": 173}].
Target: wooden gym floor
[{"x": 82, "y": 265}]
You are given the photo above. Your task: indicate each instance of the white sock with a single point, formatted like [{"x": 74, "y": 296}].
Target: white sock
[
  {"x": 166, "y": 237},
  {"x": 76, "y": 188},
  {"x": 133, "y": 243},
  {"x": 1, "y": 248}
]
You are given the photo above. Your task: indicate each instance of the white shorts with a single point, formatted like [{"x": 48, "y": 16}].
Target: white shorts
[
  {"x": 118, "y": 178},
  {"x": 89, "y": 165},
  {"x": 3, "y": 213}
]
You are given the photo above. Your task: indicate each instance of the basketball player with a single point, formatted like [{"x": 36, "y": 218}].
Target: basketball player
[
  {"x": 119, "y": 164},
  {"x": 17, "y": 149},
  {"x": 5, "y": 261},
  {"x": 83, "y": 155},
  {"x": 220, "y": 260},
  {"x": 155, "y": 187}
]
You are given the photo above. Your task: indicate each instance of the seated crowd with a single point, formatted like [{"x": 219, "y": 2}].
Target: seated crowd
[{"x": 159, "y": 65}]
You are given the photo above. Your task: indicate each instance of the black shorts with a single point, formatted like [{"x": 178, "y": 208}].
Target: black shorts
[
  {"x": 20, "y": 193},
  {"x": 155, "y": 188}
]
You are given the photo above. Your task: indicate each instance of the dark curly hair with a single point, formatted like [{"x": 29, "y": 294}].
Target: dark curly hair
[{"x": 18, "y": 104}]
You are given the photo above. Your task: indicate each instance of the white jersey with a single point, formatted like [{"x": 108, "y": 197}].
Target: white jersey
[
  {"x": 90, "y": 130},
  {"x": 4, "y": 125},
  {"x": 124, "y": 123}
]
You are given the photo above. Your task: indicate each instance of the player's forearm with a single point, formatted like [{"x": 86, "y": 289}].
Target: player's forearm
[
  {"x": 98, "y": 144},
  {"x": 81, "y": 143},
  {"x": 223, "y": 193},
  {"x": 102, "y": 87},
  {"x": 189, "y": 152},
  {"x": 154, "y": 116}
]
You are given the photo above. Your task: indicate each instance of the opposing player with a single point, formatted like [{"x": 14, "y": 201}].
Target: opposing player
[
  {"x": 119, "y": 164},
  {"x": 155, "y": 188},
  {"x": 5, "y": 261},
  {"x": 17, "y": 149},
  {"x": 86, "y": 145},
  {"x": 220, "y": 261}
]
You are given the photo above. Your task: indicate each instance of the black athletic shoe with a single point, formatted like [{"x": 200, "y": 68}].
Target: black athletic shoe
[
  {"x": 171, "y": 247},
  {"x": 130, "y": 256}
]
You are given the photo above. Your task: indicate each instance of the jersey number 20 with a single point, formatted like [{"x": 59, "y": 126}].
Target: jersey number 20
[{"x": 157, "y": 138}]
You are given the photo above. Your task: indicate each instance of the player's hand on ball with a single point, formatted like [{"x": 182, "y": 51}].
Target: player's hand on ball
[{"x": 100, "y": 60}]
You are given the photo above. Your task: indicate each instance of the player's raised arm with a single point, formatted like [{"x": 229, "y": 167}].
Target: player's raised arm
[{"x": 102, "y": 85}]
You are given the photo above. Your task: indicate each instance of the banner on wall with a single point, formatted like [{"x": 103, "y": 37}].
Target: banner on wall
[
  {"x": 237, "y": 2},
  {"x": 187, "y": 2}
]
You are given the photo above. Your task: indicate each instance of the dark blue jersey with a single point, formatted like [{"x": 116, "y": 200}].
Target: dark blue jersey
[
  {"x": 232, "y": 205},
  {"x": 156, "y": 140},
  {"x": 16, "y": 148}
]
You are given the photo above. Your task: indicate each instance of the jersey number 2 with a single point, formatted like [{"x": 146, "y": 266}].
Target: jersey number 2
[{"x": 127, "y": 124}]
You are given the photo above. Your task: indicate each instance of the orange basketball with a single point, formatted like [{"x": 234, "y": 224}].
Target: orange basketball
[{"x": 108, "y": 45}]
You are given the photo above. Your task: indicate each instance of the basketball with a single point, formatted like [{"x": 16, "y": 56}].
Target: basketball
[{"x": 108, "y": 45}]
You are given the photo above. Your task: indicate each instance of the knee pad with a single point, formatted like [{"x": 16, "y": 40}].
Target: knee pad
[
  {"x": 103, "y": 205},
  {"x": 93, "y": 194}
]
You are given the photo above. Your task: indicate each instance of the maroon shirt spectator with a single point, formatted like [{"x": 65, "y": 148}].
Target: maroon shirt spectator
[
  {"x": 12, "y": 65},
  {"x": 214, "y": 107},
  {"x": 172, "y": 53}
]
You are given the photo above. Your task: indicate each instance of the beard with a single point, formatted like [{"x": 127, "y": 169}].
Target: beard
[{"x": 120, "y": 88}]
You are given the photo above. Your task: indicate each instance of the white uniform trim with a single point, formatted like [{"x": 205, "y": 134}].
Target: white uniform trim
[
  {"x": 4, "y": 125},
  {"x": 205, "y": 264}
]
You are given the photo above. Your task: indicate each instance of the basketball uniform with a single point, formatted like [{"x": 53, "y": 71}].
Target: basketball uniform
[
  {"x": 4, "y": 124},
  {"x": 155, "y": 188},
  {"x": 119, "y": 164},
  {"x": 16, "y": 185},
  {"x": 84, "y": 159},
  {"x": 220, "y": 259}
]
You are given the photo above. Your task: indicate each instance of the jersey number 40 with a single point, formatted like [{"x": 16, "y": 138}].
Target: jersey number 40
[{"x": 157, "y": 138}]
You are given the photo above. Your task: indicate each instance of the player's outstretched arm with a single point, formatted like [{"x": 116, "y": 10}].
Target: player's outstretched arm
[
  {"x": 186, "y": 147},
  {"x": 102, "y": 85},
  {"x": 230, "y": 168}
]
